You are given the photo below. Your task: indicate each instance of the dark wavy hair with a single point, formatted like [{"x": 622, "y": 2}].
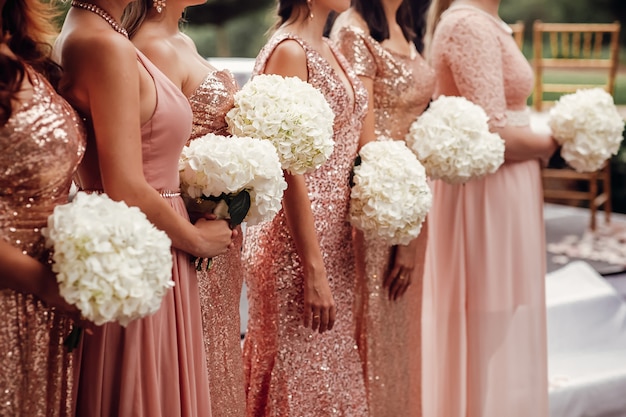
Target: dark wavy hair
[
  {"x": 286, "y": 8},
  {"x": 420, "y": 12},
  {"x": 27, "y": 29},
  {"x": 374, "y": 15}
]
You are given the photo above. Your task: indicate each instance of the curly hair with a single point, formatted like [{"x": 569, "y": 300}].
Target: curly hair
[{"x": 27, "y": 29}]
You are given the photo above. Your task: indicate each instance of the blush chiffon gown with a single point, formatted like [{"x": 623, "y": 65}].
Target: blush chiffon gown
[
  {"x": 156, "y": 366},
  {"x": 485, "y": 343}
]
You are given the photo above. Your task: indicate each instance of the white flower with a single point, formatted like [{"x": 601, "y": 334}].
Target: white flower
[
  {"x": 214, "y": 165},
  {"x": 110, "y": 261},
  {"x": 588, "y": 127},
  {"x": 390, "y": 197},
  {"x": 290, "y": 113},
  {"x": 452, "y": 139}
]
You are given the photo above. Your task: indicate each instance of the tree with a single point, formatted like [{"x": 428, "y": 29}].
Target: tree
[{"x": 219, "y": 12}]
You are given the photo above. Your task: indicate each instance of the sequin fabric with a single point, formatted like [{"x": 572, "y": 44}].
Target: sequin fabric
[
  {"x": 290, "y": 370},
  {"x": 210, "y": 102},
  {"x": 388, "y": 332},
  {"x": 403, "y": 84},
  {"x": 42, "y": 144},
  {"x": 220, "y": 288}
]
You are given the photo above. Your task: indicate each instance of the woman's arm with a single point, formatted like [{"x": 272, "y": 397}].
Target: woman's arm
[
  {"x": 27, "y": 275},
  {"x": 474, "y": 57},
  {"x": 289, "y": 59},
  {"x": 523, "y": 144},
  {"x": 106, "y": 78}
]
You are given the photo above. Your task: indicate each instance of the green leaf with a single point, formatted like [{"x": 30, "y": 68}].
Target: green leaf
[
  {"x": 238, "y": 208},
  {"x": 72, "y": 341},
  {"x": 357, "y": 162}
]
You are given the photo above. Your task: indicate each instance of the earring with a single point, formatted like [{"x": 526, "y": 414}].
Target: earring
[
  {"x": 159, "y": 5},
  {"x": 309, "y": 3}
]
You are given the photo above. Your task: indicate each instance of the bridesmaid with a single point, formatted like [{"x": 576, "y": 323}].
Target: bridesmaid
[
  {"x": 140, "y": 121},
  {"x": 37, "y": 129},
  {"x": 210, "y": 93},
  {"x": 485, "y": 347},
  {"x": 376, "y": 37},
  {"x": 300, "y": 266}
]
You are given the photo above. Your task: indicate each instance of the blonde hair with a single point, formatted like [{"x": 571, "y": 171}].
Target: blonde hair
[
  {"x": 436, "y": 9},
  {"x": 134, "y": 15}
]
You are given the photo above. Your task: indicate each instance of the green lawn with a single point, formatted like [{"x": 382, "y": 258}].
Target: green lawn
[{"x": 586, "y": 77}]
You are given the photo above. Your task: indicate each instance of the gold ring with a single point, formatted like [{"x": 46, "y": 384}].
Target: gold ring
[{"x": 316, "y": 317}]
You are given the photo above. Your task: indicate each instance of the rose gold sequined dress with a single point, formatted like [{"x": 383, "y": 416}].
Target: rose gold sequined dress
[
  {"x": 156, "y": 366},
  {"x": 42, "y": 144},
  {"x": 388, "y": 332},
  {"x": 220, "y": 288},
  {"x": 484, "y": 312},
  {"x": 290, "y": 370}
]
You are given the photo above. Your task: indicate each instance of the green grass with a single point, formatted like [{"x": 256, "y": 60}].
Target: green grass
[{"x": 585, "y": 77}]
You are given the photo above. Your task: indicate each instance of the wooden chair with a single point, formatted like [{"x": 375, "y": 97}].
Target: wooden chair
[
  {"x": 569, "y": 49},
  {"x": 518, "y": 32}
]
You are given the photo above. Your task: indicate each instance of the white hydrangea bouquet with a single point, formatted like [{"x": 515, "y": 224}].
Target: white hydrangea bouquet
[
  {"x": 292, "y": 114},
  {"x": 390, "y": 196},
  {"x": 236, "y": 178},
  {"x": 110, "y": 261},
  {"x": 588, "y": 127},
  {"x": 452, "y": 139}
]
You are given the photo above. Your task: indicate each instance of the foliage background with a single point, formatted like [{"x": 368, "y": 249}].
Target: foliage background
[{"x": 239, "y": 27}]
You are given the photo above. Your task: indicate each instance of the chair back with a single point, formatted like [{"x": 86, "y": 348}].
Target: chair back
[
  {"x": 563, "y": 50},
  {"x": 518, "y": 32}
]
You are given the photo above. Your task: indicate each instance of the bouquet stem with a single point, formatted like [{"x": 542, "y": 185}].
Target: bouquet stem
[
  {"x": 199, "y": 262},
  {"x": 73, "y": 339}
]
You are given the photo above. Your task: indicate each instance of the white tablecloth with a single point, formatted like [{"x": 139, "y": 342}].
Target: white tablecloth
[{"x": 586, "y": 344}]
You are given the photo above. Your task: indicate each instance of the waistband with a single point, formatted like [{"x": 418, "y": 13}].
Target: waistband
[
  {"x": 518, "y": 117},
  {"x": 162, "y": 193}
]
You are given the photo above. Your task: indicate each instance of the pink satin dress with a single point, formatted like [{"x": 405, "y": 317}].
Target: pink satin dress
[
  {"x": 388, "y": 332},
  {"x": 220, "y": 288},
  {"x": 485, "y": 343},
  {"x": 156, "y": 366},
  {"x": 291, "y": 370},
  {"x": 42, "y": 144}
]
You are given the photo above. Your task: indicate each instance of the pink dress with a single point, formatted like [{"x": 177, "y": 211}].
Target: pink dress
[
  {"x": 37, "y": 372},
  {"x": 220, "y": 288},
  {"x": 388, "y": 332},
  {"x": 156, "y": 366},
  {"x": 484, "y": 339},
  {"x": 290, "y": 370}
]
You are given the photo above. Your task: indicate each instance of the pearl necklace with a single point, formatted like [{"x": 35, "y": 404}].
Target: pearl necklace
[{"x": 103, "y": 14}]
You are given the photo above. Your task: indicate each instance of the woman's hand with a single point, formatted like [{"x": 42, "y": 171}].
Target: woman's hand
[
  {"x": 319, "y": 305},
  {"x": 551, "y": 148},
  {"x": 408, "y": 261},
  {"x": 48, "y": 292},
  {"x": 216, "y": 237},
  {"x": 399, "y": 278}
]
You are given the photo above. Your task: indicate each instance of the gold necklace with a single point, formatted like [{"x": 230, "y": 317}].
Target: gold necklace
[{"x": 102, "y": 13}]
